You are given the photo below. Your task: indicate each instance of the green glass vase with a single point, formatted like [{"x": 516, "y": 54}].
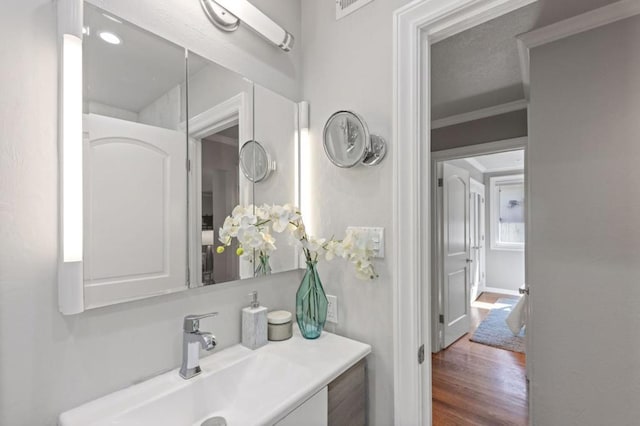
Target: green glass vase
[
  {"x": 311, "y": 303},
  {"x": 262, "y": 265}
]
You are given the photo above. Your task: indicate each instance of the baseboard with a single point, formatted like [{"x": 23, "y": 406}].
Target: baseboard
[{"x": 501, "y": 291}]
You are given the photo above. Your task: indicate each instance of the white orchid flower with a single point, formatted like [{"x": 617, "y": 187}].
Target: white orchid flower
[
  {"x": 313, "y": 244},
  {"x": 263, "y": 213},
  {"x": 268, "y": 242}
]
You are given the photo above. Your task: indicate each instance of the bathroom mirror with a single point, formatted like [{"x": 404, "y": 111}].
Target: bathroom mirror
[
  {"x": 220, "y": 122},
  {"x": 347, "y": 141},
  {"x": 135, "y": 180},
  {"x": 163, "y": 129},
  {"x": 255, "y": 162},
  {"x": 276, "y": 129}
]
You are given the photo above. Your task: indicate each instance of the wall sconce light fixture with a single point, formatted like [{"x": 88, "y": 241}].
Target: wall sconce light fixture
[{"x": 227, "y": 14}]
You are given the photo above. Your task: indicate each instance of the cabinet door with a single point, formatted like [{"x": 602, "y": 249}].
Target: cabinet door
[
  {"x": 313, "y": 412},
  {"x": 135, "y": 211},
  {"x": 347, "y": 397}
]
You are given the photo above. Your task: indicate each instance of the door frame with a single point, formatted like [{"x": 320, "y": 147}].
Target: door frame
[
  {"x": 436, "y": 258},
  {"x": 482, "y": 253},
  {"x": 236, "y": 110},
  {"x": 416, "y": 26}
]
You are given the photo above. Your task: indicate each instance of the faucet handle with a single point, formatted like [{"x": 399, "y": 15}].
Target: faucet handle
[{"x": 192, "y": 322}]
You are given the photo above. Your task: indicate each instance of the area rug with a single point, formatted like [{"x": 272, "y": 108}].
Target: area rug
[{"x": 493, "y": 330}]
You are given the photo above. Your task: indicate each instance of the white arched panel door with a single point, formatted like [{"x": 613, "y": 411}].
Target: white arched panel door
[
  {"x": 135, "y": 211},
  {"x": 456, "y": 253}
]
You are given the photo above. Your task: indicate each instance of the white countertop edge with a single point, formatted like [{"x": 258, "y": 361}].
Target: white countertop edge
[
  {"x": 141, "y": 393},
  {"x": 303, "y": 394}
]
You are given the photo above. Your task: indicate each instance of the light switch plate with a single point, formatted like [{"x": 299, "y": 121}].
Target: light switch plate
[
  {"x": 377, "y": 236},
  {"x": 332, "y": 309}
]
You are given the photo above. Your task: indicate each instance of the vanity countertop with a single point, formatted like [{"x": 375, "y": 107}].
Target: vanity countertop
[{"x": 247, "y": 387}]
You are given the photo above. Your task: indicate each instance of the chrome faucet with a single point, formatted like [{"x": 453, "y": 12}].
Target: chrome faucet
[{"x": 192, "y": 340}]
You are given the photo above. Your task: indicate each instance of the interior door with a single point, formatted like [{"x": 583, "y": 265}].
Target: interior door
[
  {"x": 135, "y": 210},
  {"x": 477, "y": 237},
  {"x": 456, "y": 253}
]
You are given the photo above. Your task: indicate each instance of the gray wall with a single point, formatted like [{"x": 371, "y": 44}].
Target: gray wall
[
  {"x": 348, "y": 65},
  {"x": 51, "y": 363},
  {"x": 584, "y": 251},
  {"x": 496, "y": 128}
]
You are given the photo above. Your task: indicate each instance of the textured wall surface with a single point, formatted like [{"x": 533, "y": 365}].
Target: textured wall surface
[
  {"x": 347, "y": 64},
  {"x": 584, "y": 247}
]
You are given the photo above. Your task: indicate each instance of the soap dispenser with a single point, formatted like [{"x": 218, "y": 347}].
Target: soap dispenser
[{"x": 254, "y": 323}]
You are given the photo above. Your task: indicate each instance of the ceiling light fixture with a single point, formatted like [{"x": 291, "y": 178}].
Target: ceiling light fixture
[
  {"x": 109, "y": 37},
  {"x": 227, "y": 14}
]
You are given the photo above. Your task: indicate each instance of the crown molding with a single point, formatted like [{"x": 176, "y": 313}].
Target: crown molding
[
  {"x": 569, "y": 27},
  {"x": 580, "y": 23}
]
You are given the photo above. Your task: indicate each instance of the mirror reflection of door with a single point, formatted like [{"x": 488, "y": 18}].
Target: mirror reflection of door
[{"x": 220, "y": 191}]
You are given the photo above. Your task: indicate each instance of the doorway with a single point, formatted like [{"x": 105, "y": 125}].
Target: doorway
[
  {"x": 478, "y": 361},
  {"x": 219, "y": 188}
]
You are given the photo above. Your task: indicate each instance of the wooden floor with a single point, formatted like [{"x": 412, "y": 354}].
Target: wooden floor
[{"x": 475, "y": 384}]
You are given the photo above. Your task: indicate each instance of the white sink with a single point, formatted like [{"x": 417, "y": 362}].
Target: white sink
[{"x": 243, "y": 386}]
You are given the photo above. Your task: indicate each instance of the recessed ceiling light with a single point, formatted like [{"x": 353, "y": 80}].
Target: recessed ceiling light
[{"x": 110, "y": 38}]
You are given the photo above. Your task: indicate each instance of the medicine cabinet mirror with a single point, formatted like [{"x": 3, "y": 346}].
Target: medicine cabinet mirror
[{"x": 163, "y": 130}]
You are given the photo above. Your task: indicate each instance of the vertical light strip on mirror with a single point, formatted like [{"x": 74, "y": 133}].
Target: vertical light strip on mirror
[
  {"x": 70, "y": 270},
  {"x": 72, "y": 148},
  {"x": 305, "y": 166}
]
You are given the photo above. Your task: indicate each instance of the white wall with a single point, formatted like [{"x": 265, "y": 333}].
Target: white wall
[
  {"x": 505, "y": 268},
  {"x": 348, "y": 64},
  {"x": 473, "y": 172},
  {"x": 275, "y": 127},
  {"x": 212, "y": 85},
  {"x": 584, "y": 249},
  {"x": 51, "y": 363}
]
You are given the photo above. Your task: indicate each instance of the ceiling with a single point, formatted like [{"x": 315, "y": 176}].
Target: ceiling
[
  {"x": 479, "y": 68},
  {"x": 500, "y": 162},
  {"x": 130, "y": 75},
  {"x": 135, "y": 73}
]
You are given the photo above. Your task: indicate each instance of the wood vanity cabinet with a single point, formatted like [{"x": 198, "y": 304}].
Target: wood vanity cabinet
[
  {"x": 342, "y": 403},
  {"x": 348, "y": 397}
]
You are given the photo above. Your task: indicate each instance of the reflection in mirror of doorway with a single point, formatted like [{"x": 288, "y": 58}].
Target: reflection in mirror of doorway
[{"x": 220, "y": 189}]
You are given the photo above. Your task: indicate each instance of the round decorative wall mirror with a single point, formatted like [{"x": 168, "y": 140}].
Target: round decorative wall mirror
[
  {"x": 255, "y": 162},
  {"x": 347, "y": 141}
]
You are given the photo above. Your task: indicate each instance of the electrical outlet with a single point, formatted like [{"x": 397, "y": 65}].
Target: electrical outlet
[{"x": 332, "y": 309}]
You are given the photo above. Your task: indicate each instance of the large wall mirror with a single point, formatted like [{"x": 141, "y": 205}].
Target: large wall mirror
[{"x": 163, "y": 133}]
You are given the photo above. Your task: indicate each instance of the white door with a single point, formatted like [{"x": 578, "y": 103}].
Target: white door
[
  {"x": 135, "y": 210},
  {"x": 456, "y": 253},
  {"x": 477, "y": 238}
]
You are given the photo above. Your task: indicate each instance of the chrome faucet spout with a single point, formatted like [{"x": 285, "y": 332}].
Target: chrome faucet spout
[
  {"x": 194, "y": 339},
  {"x": 207, "y": 340}
]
